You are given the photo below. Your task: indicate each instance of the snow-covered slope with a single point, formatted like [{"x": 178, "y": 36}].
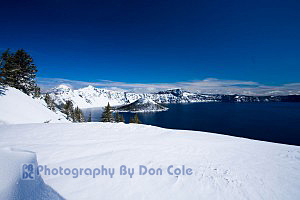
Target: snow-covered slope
[
  {"x": 223, "y": 167},
  {"x": 142, "y": 105},
  {"x": 17, "y": 107},
  {"x": 11, "y": 184},
  {"x": 90, "y": 96}
]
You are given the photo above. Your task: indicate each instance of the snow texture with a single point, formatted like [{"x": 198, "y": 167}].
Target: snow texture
[{"x": 224, "y": 167}]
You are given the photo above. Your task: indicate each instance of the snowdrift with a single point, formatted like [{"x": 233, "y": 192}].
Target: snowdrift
[
  {"x": 11, "y": 184},
  {"x": 19, "y": 108}
]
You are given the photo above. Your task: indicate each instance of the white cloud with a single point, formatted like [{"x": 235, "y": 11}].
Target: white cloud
[{"x": 207, "y": 86}]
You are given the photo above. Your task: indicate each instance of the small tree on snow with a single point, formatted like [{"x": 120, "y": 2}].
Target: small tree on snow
[
  {"x": 107, "y": 115},
  {"x": 50, "y": 102},
  {"x": 78, "y": 115},
  {"x": 69, "y": 110},
  {"x": 135, "y": 119}
]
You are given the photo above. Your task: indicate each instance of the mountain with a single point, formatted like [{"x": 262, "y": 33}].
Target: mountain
[
  {"x": 90, "y": 96},
  {"x": 19, "y": 108},
  {"x": 142, "y": 105}
]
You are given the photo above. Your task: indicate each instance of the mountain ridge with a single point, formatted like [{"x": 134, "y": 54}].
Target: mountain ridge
[{"x": 91, "y": 96}]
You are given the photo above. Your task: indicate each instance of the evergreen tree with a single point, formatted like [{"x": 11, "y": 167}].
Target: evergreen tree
[
  {"x": 50, "y": 102},
  {"x": 37, "y": 92},
  {"x": 72, "y": 113},
  {"x": 47, "y": 98},
  {"x": 4, "y": 61},
  {"x": 117, "y": 117},
  {"x": 69, "y": 110},
  {"x": 107, "y": 115},
  {"x": 18, "y": 70},
  {"x": 136, "y": 119},
  {"x": 78, "y": 115},
  {"x": 81, "y": 116},
  {"x": 90, "y": 117}
]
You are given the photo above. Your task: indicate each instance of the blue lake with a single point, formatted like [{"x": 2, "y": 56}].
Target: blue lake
[{"x": 275, "y": 122}]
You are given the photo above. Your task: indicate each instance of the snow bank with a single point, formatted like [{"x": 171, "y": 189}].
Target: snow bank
[
  {"x": 19, "y": 108},
  {"x": 223, "y": 167},
  {"x": 11, "y": 184}
]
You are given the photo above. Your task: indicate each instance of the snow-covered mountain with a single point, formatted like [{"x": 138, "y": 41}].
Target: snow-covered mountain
[
  {"x": 142, "y": 105},
  {"x": 90, "y": 96},
  {"x": 19, "y": 108}
]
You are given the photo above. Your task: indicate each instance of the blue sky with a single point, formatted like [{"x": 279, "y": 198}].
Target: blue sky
[{"x": 157, "y": 41}]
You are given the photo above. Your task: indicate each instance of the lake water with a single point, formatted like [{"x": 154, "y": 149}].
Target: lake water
[{"x": 275, "y": 122}]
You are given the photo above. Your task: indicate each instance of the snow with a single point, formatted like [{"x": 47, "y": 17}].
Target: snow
[
  {"x": 63, "y": 87},
  {"x": 145, "y": 101},
  {"x": 11, "y": 184},
  {"x": 18, "y": 108},
  {"x": 224, "y": 167}
]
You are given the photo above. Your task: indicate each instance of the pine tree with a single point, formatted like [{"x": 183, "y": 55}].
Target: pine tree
[
  {"x": 50, "y": 102},
  {"x": 69, "y": 110},
  {"x": 78, "y": 115},
  {"x": 90, "y": 117},
  {"x": 136, "y": 119},
  {"x": 72, "y": 113},
  {"x": 117, "y": 117},
  {"x": 18, "y": 70},
  {"x": 107, "y": 115},
  {"x": 4, "y": 62},
  {"x": 81, "y": 116},
  {"x": 47, "y": 98},
  {"x": 37, "y": 92}
]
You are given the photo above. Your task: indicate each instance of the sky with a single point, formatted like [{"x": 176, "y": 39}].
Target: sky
[{"x": 158, "y": 42}]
